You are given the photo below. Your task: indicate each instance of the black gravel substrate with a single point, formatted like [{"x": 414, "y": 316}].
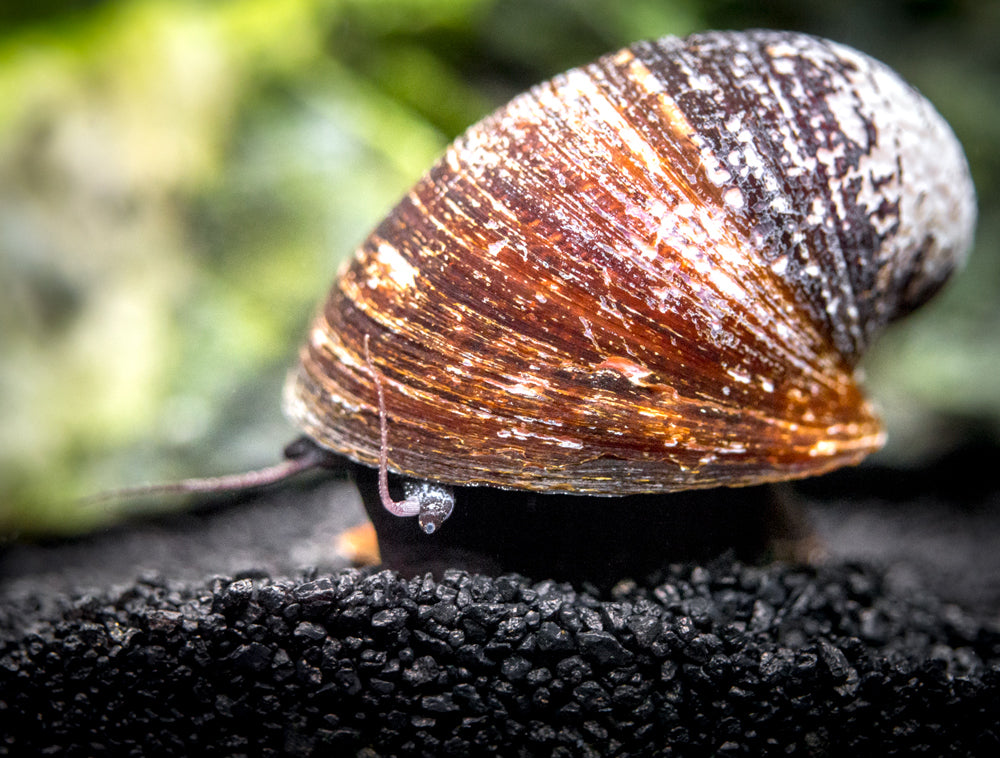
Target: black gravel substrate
[{"x": 723, "y": 659}]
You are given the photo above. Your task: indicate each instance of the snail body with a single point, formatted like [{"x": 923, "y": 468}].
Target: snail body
[{"x": 655, "y": 272}]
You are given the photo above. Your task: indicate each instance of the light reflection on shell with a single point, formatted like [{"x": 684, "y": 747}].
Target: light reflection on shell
[{"x": 651, "y": 273}]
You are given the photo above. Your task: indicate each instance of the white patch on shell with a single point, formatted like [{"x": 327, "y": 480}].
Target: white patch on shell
[
  {"x": 726, "y": 285},
  {"x": 523, "y": 390},
  {"x": 630, "y": 370},
  {"x": 641, "y": 75},
  {"x": 522, "y": 434},
  {"x": 527, "y": 386},
  {"x": 715, "y": 171},
  {"x": 823, "y": 448},
  {"x": 783, "y": 65},
  {"x": 399, "y": 270},
  {"x": 739, "y": 376}
]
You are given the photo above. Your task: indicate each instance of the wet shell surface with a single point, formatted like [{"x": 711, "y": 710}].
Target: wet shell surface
[{"x": 655, "y": 272}]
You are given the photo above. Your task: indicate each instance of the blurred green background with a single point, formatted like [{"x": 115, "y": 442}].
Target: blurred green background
[{"x": 179, "y": 181}]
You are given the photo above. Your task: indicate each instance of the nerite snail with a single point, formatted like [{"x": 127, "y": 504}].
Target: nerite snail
[{"x": 652, "y": 273}]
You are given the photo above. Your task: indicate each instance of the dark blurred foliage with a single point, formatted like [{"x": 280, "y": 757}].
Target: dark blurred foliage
[{"x": 16, "y": 15}]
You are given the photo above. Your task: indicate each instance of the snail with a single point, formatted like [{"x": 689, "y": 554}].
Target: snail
[{"x": 653, "y": 273}]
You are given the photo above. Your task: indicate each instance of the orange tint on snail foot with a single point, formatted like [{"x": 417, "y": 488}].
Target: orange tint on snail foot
[{"x": 652, "y": 273}]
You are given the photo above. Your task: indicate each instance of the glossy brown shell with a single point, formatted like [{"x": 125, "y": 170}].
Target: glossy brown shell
[{"x": 651, "y": 273}]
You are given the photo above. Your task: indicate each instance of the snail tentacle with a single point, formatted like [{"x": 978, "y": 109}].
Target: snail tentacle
[
  {"x": 431, "y": 503},
  {"x": 301, "y": 455}
]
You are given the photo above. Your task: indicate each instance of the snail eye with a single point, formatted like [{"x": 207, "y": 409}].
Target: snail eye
[{"x": 436, "y": 502}]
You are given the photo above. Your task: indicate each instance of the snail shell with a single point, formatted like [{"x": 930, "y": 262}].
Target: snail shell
[{"x": 651, "y": 273}]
